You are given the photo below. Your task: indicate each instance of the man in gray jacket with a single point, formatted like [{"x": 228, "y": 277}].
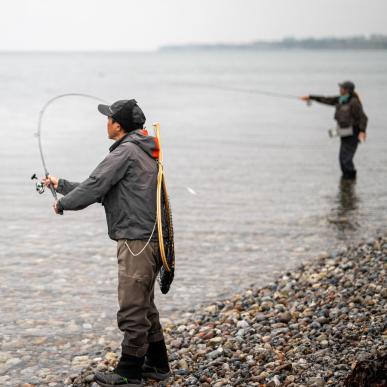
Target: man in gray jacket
[{"x": 125, "y": 183}]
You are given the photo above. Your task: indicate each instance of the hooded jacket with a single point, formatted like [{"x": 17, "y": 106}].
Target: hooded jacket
[{"x": 125, "y": 182}]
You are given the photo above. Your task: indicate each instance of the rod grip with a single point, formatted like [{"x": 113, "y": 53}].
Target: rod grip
[{"x": 52, "y": 189}]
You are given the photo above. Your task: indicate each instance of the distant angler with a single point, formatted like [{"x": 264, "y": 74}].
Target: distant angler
[{"x": 351, "y": 124}]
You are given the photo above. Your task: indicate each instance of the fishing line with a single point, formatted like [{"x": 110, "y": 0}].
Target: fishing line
[
  {"x": 40, "y": 187},
  {"x": 240, "y": 90}
]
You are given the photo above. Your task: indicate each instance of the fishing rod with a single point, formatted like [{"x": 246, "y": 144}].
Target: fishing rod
[
  {"x": 240, "y": 89},
  {"x": 39, "y": 186}
]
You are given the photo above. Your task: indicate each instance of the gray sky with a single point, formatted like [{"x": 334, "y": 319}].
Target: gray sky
[{"x": 147, "y": 24}]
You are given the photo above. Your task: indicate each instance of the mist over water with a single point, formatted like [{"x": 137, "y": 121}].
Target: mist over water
[{"x": 265, "y": 172}]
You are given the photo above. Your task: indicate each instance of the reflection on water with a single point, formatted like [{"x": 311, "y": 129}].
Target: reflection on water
[{"x": 345, "y": 213}]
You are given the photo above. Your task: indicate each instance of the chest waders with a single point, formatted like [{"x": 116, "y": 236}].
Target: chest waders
[{"x": 348, "y": 138}]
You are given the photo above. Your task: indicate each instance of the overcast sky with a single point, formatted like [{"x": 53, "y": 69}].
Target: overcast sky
[{"x": 148, "y": 24}]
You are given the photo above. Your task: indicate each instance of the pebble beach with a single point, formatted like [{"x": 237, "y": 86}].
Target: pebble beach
[{"x": 315, "y": 326}]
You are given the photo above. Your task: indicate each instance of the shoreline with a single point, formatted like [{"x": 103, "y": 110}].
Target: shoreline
[{"x": 310, "y": 327}]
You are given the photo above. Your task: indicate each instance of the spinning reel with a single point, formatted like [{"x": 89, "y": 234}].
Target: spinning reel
[{"x": 39, "y": 186}]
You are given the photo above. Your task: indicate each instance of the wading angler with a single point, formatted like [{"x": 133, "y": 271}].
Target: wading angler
[
  {"x": 130, "y": 184},
  {"x": 351, "y": 124}
]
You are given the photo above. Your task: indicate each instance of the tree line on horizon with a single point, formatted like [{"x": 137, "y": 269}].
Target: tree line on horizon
[{"x": 373, "y": 42}]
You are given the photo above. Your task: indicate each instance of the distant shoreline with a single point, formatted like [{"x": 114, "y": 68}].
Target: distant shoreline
[
  {"x": 188, "y": 49},
  {"x": 356, "y": 43},
  {"x": 373, "y": 42}
]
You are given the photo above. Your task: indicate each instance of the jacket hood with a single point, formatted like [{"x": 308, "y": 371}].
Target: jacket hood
[{"x": 149, "y": 144}]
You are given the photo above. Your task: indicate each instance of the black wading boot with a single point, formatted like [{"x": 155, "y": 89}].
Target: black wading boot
[
  {"x": 126, "y": 374},
  {"x": 349, "y": 175},
  {"x": 156, "y": 364}
]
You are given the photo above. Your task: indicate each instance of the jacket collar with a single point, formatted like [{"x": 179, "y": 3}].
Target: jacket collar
[{"x": 121, "y": 140}]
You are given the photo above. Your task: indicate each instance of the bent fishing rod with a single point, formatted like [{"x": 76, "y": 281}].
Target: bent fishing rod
[{"x": 39, "y": 185}]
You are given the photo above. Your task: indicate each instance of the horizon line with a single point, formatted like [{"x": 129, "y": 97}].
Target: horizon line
[{"x": 189, "y": 45}]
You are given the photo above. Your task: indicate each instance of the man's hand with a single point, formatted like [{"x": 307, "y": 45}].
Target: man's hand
[
  {"x": 362, "y": 136},
  {"x": 305, "y": 98},
  {"x": 51, "y": 180},
  {"x": 57, "y": 208}
]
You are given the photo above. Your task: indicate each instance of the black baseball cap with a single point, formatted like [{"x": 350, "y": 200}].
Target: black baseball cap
[
  {"x": 348, "y": 85},
  {"x": 126, "y": 112}
]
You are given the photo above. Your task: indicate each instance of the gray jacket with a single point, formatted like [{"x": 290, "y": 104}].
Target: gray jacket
[{"x": 125, "y": 183}]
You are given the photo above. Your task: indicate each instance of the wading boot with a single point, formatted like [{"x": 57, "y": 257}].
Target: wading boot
[
  {"x": 126, "y": 374},
  {"x": 349, "y": 175},
  {"x": 156, "y": 364}
]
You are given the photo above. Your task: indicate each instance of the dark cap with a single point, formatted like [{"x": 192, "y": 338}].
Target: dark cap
[
  {"x": 126, "y": 112},
  {"x": 348, "y": 85}
]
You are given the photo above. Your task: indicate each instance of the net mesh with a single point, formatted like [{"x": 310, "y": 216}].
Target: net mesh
[{"x": 166, "y": 276}]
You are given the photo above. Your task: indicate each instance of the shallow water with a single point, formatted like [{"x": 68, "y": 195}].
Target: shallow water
[{"x": 264, "y": 170}]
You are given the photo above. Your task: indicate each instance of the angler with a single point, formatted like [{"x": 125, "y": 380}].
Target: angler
[
  {"x": 351, "y": 124},
  {"x": 127, "y": 183}
]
